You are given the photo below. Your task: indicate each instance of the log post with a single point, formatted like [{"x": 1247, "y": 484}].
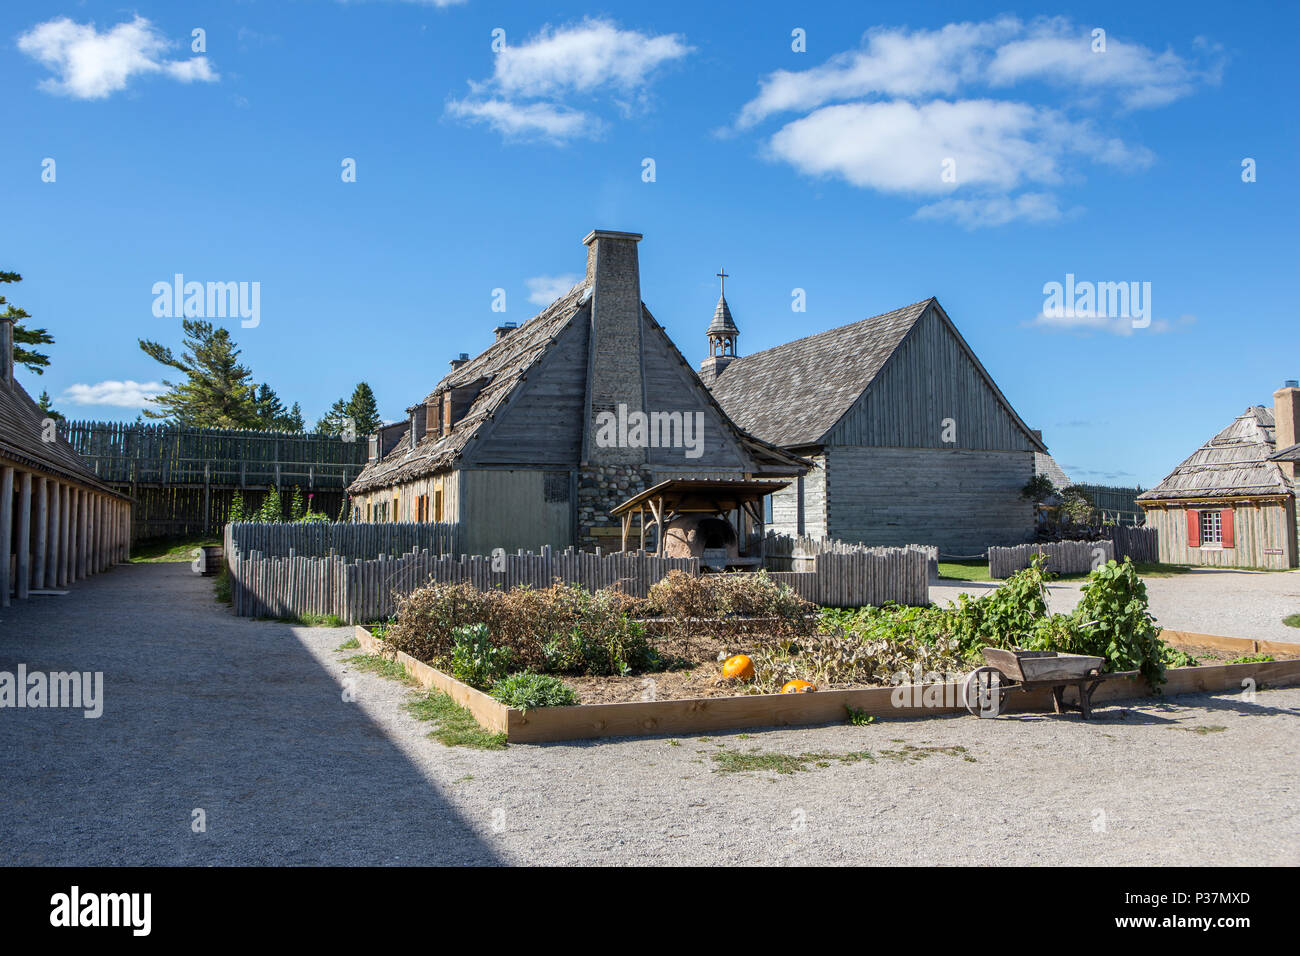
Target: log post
[
  {"x": 42, "y": 531},
  {"x": 24, "y": 543},
  {"x": 6, "y": 529}
]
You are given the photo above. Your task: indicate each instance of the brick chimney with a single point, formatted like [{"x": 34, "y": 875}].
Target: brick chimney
[
  {"x": 614, "y": 276},
  {"x": 6, "y": 349},
  {"x": 1286, "y": 421}
]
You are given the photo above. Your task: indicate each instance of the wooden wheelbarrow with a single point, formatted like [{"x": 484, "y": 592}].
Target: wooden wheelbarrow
[{"x": 986, "y": 688}]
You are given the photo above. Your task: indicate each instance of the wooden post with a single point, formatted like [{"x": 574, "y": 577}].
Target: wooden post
[
  {"x": 6, "y": 529},
  {"x": 66, "y": 543},
  {"x": 56, "y": 529},
  {"x": 42, "y": 531},
  {"x": 24, "y": 543}
]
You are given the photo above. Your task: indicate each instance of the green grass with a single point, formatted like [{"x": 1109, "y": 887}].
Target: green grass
[
  {"x": 1291, "y": 620},
  {"x": 351, "y": 644},
  {"x": 973, "y": 570},
  {"x": 456, "y": 726},
  {"x": 221, "y": 587},
  {"x": 733, "y": 761},
  {"x": 374, "y": 664},
  {"x": 169, "y": 550}
]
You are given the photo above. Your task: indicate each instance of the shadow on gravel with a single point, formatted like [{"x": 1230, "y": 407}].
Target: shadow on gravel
[{"x": 206, "y": 712}]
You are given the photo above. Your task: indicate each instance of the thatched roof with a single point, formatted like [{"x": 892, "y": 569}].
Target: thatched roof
[
  {"x": 1234, "y": 463},
  {"x": 21, "y": 440},
  {"x": 501, "y": 368},
  {"x": 1046, "y": 465}
]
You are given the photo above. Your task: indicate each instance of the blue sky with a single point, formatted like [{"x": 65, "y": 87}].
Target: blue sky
[{"x": 822, "y": 170}]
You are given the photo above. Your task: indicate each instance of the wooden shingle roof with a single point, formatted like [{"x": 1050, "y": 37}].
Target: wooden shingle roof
[
  {"x": 1234, "y": 463},
  {"x": 793, "y": 394},
  {"x": 1046, "y": 465},
  {"x": 22, "y": 434},
  {"x": 501, "y": 369}
]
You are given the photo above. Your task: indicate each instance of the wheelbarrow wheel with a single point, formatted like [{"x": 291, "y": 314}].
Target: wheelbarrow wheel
[{"x": 984, "y": 692}]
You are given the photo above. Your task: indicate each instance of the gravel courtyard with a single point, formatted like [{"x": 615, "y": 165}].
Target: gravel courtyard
[
  {"x": 1247, "y": 604},
  {"x": 247, "y": 721}
]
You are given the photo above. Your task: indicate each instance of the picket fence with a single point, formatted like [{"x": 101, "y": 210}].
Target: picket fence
[
  {"x": 357, "y": 572},
  {"x": 347, "y": 539},
  {"x": 1078, "y": 557}
]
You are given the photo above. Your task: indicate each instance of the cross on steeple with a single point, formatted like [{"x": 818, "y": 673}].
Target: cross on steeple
[{"x": 722, "y": 274}]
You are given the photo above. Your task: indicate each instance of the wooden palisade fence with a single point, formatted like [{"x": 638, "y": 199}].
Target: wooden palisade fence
[
  {"x": 288, "y": 570},
  {"x": 1077, "y": 557}
]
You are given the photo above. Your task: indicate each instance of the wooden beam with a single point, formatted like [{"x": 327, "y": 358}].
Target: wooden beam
[{"x": 56, "y": 526}]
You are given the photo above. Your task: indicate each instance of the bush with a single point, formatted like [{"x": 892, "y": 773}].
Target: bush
[
  {"x": 561, "y": 629},
  {"x": 527, "y": 691},
  {"x": 726, "y": 600}
]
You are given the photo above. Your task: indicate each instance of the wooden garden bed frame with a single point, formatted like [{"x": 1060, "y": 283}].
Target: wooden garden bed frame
[{"x": 748, "y": 711}]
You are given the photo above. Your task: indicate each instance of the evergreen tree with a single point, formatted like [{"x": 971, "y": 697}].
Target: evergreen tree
[
  {"x": 34, "y": 361},
  {"x": 361, "y": 408},
  {"x": 236, "y": 509},
  {"x": 44, "y": 403},
  {"x": 294, "y": 421},
  {"x": 216, "y": 390}
]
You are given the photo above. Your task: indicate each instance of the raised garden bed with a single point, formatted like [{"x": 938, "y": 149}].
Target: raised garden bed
[{"x": 736, "y": 712}]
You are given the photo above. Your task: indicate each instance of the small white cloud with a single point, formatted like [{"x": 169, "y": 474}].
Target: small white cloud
[
  {"x": 525, "y": 96},
  {"x": 126, "y": 394},
  {"x": 91, "y": 65},
  {"x": 1095, "y": 323},
  {"x": 993, "y": 210},
  {"x": 543, "y": 290},
  {"x": 527, "y": 120}
]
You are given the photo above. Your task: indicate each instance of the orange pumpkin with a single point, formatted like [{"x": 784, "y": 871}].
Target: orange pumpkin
[
  {"x": 738, "y": 667},
  {"x": 798, "y": 687}
]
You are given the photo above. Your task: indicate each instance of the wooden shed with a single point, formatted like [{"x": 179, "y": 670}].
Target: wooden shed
[{"x": 1230, "y": 503}]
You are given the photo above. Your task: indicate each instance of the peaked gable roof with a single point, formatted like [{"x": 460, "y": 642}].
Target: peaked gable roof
[
  {"x": 794, "y": 394},
  {"x": 1235, "y": 462},
  {"x": 500, "y": 369},
  {"x": 22, "y": 439}
]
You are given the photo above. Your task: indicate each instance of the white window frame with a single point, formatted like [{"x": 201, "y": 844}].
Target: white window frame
[{"x": 1211, "y": 529}]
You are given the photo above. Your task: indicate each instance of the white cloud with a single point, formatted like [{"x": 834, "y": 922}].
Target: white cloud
[
  {"x": 1116, "y": 325},
  {"x": 993, "y": 210},
  {"x": 582, "y": 58},
  {"x": 525, "y": 96},
  {"x": 526, "y": 120},
  {"x": 92, "y": 65},
  {"x": 126, "y": 394},
  {"x": 543, "y": 290},
  {"x": 924, "y": 113}
]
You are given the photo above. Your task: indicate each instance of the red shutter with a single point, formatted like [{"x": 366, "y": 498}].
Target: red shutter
[
  {"x": 1225, "y": 519},
  {"x": 1193, "y": 528}
]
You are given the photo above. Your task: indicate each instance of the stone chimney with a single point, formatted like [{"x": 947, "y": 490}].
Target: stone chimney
[
  {"x": 6, "y": 349},
  {"x": 504, "y": 329},
  {"x": 459, "y": 360},
  {"x": 1286, "y": 421},
  {"x": 614, "y": 276}
]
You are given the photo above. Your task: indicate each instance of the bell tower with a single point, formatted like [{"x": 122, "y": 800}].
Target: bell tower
[{"x": 722, "y": 335}]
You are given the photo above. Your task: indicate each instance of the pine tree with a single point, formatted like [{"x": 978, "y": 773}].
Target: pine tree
[
  {"x": 216, "y": 391},
  {"x": 32, "y": 360},
  {"x": 294, "y": 421},
  {"x": 46, "y": 406},
  {"x": 361, "y": 408}
]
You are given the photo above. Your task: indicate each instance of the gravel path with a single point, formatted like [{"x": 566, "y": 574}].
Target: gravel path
[
  {"x": 1229, "y": 603},
  {"x": 246, "y": 720}
]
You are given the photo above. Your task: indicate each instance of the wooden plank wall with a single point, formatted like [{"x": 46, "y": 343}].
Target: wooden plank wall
[
  {"x": 1264, "y": 536},
  {"x": 1063, "y": 557}
]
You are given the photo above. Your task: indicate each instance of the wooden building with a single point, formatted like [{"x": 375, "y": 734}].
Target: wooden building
[
  {"x": 536, "y": 440},
  {"x": 1232, "y": 502},
  {"x": 912, "y": 441},
  {"x": 58, "y": 523}
]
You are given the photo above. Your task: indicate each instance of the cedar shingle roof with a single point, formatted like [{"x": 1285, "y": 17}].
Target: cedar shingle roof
[
  {"x": 1046, "y": 465},
  {"x": 501, "y": 368},
  {"x": 1233, "y": 463},
  {"x": 795, "y": 393},
  {"x": 722, "y": 320},
  {"x": 21, "y": 431}
]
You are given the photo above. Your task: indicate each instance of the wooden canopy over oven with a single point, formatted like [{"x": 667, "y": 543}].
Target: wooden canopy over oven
[{"x": 678, "y": 496}]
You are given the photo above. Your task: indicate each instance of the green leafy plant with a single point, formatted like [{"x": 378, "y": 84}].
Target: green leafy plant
[
  {"x": 859, "y": 718},
  {"x": 1253, "y": 659},
  {"x": 527, "y": 691},
  {"x": 475, "y": 660}
]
